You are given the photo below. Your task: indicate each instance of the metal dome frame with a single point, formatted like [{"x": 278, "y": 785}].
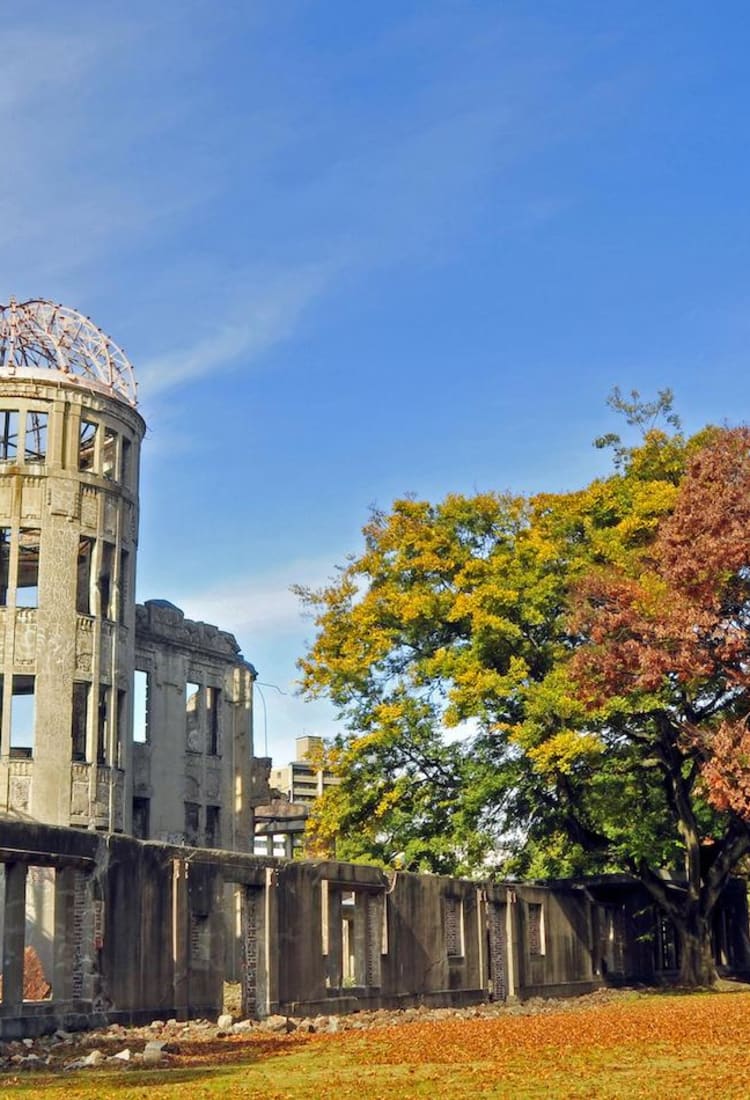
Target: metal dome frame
[{"x": 38, "y": 337}]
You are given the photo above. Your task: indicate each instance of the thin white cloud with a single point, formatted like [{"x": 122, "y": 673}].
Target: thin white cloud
[
  {"x": 266, "y": 317},
  {"x": 260, "y": 604}
]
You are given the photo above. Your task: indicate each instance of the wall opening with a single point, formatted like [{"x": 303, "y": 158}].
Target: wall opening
[
  {"x": 141, "y": 818},
  {"x": 8, "y": 435},
  {"x": 102, "y": 726},
  {"x": 27, "y": 579},
  {"x": 35, "y": 440},
  {"x": 126, "y": 461},
  {"x": 124, "y": 585},
  {"x": 109, "y": 454},
  {"x": 192, "y": 824},
  {"x": 213, "y": 702},
  {"x": 107, "y": 553},
  {"x": 87, "y": 446},
  {"x": 22, "y": 717},
  {"x": 4, "y": 564},
  {"x": 193, "y": 737},
  {"x": 141, "y": 707},
  {"x": 83, "y": 580},
  {"x": 213, "y": 827},
  {"x": 79, "y": 720}
]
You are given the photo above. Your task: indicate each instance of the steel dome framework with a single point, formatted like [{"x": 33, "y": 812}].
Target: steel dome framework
[{"x": 40, "y": 336}]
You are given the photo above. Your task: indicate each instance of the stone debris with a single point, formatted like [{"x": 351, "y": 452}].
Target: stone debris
[{"x": 158, "y": 1044}]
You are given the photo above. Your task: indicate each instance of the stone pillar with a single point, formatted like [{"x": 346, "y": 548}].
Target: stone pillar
[
  {"x": 14, "y": 933},
  {"x": 180, "y": 939},
  {"x": 64, "y": 945}
]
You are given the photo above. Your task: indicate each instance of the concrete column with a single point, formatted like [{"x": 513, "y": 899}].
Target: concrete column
[
  {"x": 180, "y": 939},
  {"x": 14, "y": 933},
  {"x": 64, "y": 943},
  {"x": 271, "y": 940}
]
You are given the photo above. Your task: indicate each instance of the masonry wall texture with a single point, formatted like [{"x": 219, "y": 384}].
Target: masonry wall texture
[{"x": 140, "y": 934}]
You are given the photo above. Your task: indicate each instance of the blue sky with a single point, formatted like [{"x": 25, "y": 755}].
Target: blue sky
[{"x": 356, "y": 249}]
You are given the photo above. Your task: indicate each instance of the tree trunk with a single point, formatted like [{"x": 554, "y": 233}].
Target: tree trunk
[{"x": 697, "y": 967}]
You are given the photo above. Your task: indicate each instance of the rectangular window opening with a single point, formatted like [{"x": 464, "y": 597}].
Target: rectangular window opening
[
  {"x": 109, "y": 454},
  {"x": 122, "y": 709},
  {"x": 79, "y": 722},
  {"x": 22, "y": 717},
  {"x": 4, "y": 565},
  {"x": 124, "y": 585},
  {"x": 87, "y": 446},
  {"x": 83, "y": 589},
  {"x": 141, "y": 816},
  {"x": 193, "y": 731},
  {"x": 213, "y": 700},
  {"x": 27, "y": 583},
  {"x": 35, "y": 440},
  {"x": 140, "y": 707},
  {"x": 192, "y": 823},
  {"x": 8, "y": 435},
  {"x": 125, "y": 462},
  {"x": 213, "y": 827},
  {"x": 106, "y": 591},
  {"x": 102, "y": 726}
]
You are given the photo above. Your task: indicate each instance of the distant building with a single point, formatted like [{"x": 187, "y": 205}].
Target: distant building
[{"x": 279, "y": 825}]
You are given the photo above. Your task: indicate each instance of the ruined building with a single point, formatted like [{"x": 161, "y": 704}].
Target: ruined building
[{"x": 82, "y": 668}]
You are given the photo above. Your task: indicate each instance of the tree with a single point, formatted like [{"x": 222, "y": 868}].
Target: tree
[
  {"x": 521, "y": 618},
  {"x": 664, "y": 672}
]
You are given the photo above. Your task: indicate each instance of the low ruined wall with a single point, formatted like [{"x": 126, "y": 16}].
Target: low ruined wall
[{"x": 99, "y": 928}]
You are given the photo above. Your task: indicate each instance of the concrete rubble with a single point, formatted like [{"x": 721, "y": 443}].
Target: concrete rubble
[{"x": 165, "y": 1044}]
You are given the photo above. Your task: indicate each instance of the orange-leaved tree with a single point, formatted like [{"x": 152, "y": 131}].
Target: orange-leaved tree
[{"x": 664, "y": 670}]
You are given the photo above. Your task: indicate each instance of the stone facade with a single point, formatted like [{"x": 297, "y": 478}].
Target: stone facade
[
  {"x": 72, "y": 642},
  {"x": 192, "y": 763},
  {"x": 69, "y": 460}
]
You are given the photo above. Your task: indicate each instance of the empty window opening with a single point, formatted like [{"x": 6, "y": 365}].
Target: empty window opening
[
  {"x": 35, "y": 440},
  {"x": 87, "y": 445},
  {"x": 140, "y": 707},
  {"x": 8, "y": 435},
  {"x": 125, "y": 462},
  {"x": 4, "y": 564},
  {"x": 38, "y": 944},
  {"x": 141, "y": 816},
  {"x": 192, "y": 823},
  {"x": 22, "y": 717},
  {"x": 122, "y": 710},
  {"x": 193, "y": 717},
  {"x": 124, "y": 585},
  {"x": 348, "y": 939},
  {"x": 109, "y": 454},
  {"x": 79, "y": 721},
  {"x": 102, "y": 726},
  {"x": 105, "y": 580},
  {"x": 27, "y": 584},
  {"x": 213, "y": 699},
  {"x": 83, "y": 588},
  {"x": 213, "y": 827},
  {"x": 537, "y": 945},
  {"x": 454, "y": 927}
]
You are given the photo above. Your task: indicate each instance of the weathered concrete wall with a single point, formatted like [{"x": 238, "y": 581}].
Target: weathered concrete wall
[
  {"x": 67, "y": 500},
  {"x": 139, "y": 933},
  {"x": 195, "y": 771}
]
